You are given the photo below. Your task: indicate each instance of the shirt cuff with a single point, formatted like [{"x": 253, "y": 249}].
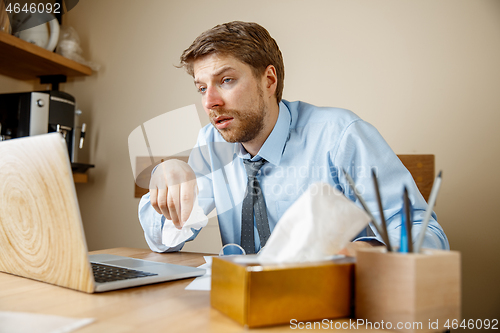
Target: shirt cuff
[{"x": 373, "y": 241}]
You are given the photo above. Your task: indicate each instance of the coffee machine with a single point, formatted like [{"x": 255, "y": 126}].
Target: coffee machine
[{"x": 40, "y": 112}]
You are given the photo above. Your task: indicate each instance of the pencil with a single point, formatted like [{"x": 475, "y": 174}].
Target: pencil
[
  {"x": 381, "y": 208},
  {"x": 363, "y": 203},
  {"x": 408, "y": 220},
  {"x": 428, "y": 212}
]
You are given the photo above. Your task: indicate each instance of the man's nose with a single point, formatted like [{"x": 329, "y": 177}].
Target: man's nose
[{"x": 213, "y": 99}]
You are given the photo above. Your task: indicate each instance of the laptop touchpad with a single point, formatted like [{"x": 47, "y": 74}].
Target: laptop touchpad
[{"x": 133, "y": 263}]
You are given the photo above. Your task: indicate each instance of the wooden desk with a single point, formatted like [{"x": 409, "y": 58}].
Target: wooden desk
[{"x": 163, "y": 307}]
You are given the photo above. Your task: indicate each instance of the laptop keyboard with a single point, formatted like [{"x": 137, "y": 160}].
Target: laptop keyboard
[{"x": 106, "y": 273}]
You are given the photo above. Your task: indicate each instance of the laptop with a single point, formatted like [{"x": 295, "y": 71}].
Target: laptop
[{"x": 41, "y": 231}]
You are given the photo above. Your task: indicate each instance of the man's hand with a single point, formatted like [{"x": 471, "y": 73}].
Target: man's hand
[{"x": 172, "y": 191}]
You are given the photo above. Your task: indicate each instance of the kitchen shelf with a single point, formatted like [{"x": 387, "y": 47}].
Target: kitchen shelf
[
  {"x": 25, "y": 61},
  {"x": 80, "y": 177},
  {"x": 80, "y": 172}
]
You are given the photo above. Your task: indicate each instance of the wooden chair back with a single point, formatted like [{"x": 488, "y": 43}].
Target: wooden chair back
[
  {"x": 144, "y": 164},
  {"x": 422, "y": 169}
]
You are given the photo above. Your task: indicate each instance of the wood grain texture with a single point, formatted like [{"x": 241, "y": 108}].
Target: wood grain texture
[
  {"x": 25, "y": 61},
  {"x": 408, "y": 288},
  {"x": 41, "y": 235},
  {"x": 162, "y": 307},
  {"x": 422, "y": 169}
]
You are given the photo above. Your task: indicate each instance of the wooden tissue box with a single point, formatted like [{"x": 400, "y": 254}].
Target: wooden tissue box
[
  {"x": 408, "y": 288},
  {"x": 256, "y": 295}
]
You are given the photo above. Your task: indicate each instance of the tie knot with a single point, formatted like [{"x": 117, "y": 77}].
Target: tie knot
[{"x": 253, "y": 167}]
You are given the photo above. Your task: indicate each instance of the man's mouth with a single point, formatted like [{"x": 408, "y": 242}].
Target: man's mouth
[{"x": 222, "y": 121}]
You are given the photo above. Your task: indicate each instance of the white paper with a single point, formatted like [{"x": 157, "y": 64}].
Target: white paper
[
  {"x": 318, "y": 225},
  {"x": 22, "y": 322},
  {"x": 171, "y": 236},
  {"x": 203, "y": 282}
]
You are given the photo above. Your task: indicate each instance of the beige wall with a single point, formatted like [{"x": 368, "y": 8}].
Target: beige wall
[
  {"x": 8, "y": 85},
  {"x": 425, "y": 73}
]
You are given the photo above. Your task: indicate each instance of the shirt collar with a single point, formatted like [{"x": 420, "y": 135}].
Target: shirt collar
[{"x": 273, "y": 147}]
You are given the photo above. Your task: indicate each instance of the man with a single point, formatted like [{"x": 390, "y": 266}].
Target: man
[{"x": 260, "y": 153}]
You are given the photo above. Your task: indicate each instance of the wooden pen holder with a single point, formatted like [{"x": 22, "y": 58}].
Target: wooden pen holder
[{"x": 405, "y": 289}]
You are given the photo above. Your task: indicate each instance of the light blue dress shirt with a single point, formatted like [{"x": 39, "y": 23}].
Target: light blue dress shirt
[{"x": 308, "y": 144}]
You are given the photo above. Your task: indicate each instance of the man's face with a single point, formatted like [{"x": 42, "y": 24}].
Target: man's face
[{"x": 232, "y": 97}]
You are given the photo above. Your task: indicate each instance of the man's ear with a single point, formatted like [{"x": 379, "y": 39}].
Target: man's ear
[{"x": 270, "y": 80}]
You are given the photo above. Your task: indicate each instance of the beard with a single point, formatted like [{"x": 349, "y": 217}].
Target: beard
[{"x": 250, "y": 122}]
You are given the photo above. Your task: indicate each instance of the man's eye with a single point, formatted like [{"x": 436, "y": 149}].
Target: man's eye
[
  {"x": 202, "y": 89},
  {"x": 227, "y": 80}
]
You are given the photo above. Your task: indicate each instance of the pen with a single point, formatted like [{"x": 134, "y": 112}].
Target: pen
[
  {"x": 428, "y": 212},
  {"x": 403, "y": 243},
  {"x": 408, "y": 220},
  {"x": 363, "y": 203},
  {"x": 381, "y": 208}
]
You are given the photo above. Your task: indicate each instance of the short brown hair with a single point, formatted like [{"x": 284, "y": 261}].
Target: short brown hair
[{"x": 246, "y": 41}]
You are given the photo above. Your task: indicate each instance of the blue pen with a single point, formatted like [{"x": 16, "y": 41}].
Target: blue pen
[{"x": 403, "y": 246}]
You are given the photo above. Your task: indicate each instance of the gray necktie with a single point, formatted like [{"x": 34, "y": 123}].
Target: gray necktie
[{"x": 253, "y": 203}]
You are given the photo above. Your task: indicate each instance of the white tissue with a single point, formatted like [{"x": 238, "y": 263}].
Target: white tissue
[
  {"x": 171, "y": 236},
  {"x": 318, "y": 225}
]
